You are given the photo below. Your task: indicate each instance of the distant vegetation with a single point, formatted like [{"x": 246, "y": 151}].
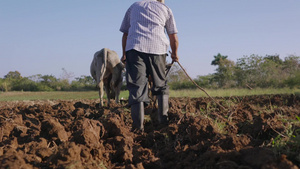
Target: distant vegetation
[
  {"x": 248, "y": 72},
  {"x": 13, "y": 81}
]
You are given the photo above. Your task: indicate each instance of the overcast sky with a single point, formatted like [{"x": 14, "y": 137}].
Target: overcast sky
[{"x": 45, "y": 36}]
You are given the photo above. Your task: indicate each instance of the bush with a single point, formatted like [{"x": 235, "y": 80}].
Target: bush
[
  {"x": 5, "y": 85},
  {"x": 294, "y": 81},
  {"x": 43, "y": 87},
  {"x": 24, "y": 84}
]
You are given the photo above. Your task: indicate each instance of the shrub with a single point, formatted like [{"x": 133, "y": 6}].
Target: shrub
[{"x": 294, "y": 81}]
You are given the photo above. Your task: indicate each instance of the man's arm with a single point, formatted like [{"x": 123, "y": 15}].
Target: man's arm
[
  {"x": 174, "y": 46},
  {"x": 124, "y": 40}
]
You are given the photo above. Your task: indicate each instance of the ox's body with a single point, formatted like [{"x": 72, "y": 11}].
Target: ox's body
[{"x": 106, "y": 68}]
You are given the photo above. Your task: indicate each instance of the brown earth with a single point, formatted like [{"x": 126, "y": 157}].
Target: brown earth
[{"x": 77, "y": 134}]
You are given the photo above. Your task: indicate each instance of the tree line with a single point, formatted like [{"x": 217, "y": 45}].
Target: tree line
[
  {"x": 13, "y": 81},
  {"x": 252, "y": 71}
]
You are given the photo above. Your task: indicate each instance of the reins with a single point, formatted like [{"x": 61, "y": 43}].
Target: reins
[
  {"x": 199, "y": 86},
  {"x": 195, "y": 82}
]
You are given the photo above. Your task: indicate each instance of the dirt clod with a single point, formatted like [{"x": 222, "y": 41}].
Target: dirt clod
[{"x": 78, "y": 134}]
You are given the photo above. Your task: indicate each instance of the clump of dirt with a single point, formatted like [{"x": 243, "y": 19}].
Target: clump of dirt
[{"x": 254, "y": 132}]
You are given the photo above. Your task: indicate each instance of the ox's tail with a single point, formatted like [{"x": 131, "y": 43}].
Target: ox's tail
[
  {"x": 99, "y": 64},
  {"x": 104, "y": 61}
]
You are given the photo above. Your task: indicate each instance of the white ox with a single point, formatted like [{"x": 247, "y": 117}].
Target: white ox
[{"x": 106, "y": 68}]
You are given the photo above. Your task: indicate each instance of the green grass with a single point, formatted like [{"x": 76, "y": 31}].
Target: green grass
[
  {"x": 231, "y": 92},
  {"x": 19, "y": 96}
]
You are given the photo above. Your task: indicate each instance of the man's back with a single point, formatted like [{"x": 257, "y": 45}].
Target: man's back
[{"x": 145, "y": 22}]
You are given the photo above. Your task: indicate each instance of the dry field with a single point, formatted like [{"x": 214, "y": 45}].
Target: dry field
[{"x": 255, "y": 132}]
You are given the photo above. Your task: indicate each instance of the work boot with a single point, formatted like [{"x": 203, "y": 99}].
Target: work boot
[
  {"x": 137, "y": 115},
  {"x": 163, "y": 107}
]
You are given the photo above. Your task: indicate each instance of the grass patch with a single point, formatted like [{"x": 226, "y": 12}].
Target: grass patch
[
  {"x": 288, "y": 142},
  {"x": 19, "y": 96},
  {"x": 231, "y": 92}
]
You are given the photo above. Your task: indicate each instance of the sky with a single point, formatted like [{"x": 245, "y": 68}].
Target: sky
[{"x": 49, "y": 36}]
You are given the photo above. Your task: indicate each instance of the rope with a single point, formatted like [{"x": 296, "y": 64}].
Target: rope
[
  {"x": 221, "y": 117},
  {"x": 200, "y": 87}
]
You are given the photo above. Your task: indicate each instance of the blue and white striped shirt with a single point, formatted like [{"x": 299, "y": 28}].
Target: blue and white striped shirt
[{"x": 145, "y": 23}]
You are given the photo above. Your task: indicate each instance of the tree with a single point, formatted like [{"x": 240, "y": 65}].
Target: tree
[
  {"x": 4, "y": 85},
  {"x": 86, "y": 80},
  {"x": 48, "y": 79},
  {"x": 248, "y": 70},
  {"x": 294, "y": 81},
  {"x": 274, "y": 58},
  {"x": 225, "y": 71},
  {"x": 36, "y": 78},
  {"x": 291, "y": 67},
  {"x": 83, "y": 83},
  {"x": 24, "y": 84},
  {"x": 291, "y": 64},
  {"x": 13, "y": 75},
  {"x": 270, "y": 73},
  {"x": 48, "y": 83},
  {"x": 217, "y": 59},
  {"x": 206, "y": 81}
]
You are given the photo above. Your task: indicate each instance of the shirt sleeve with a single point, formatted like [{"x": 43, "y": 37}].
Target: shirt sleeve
[
  {"x": 126, "y": 22},
  {"x": 171, "y": 24}
]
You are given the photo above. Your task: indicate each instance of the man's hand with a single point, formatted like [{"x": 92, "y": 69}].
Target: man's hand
[
  {"x": 123, "y": 59},
  {"x": 175, "y": 57},
  {"x": 174, "y": 46}
]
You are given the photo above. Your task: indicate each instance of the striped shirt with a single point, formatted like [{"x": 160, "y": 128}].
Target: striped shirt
[{"x": 145, "y": 23}]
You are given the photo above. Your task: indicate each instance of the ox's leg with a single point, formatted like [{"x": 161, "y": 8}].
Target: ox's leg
[
  {"x": 107, "y": 90},
  {"x": 116, "y": 82},
  {"x": 101, "y": 93},
  {"x": 117, "y": 90},
  {"x": 117, "y": 93}
]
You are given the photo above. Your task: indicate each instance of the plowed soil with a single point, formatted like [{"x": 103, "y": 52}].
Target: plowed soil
[{"x": 254, "y": 132}]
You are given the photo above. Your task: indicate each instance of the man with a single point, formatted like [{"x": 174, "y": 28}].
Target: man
[{"x": 145, "y": 46}]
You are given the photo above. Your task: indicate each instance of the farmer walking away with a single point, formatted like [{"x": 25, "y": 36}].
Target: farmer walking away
[{"x": 145, "y": 47}]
